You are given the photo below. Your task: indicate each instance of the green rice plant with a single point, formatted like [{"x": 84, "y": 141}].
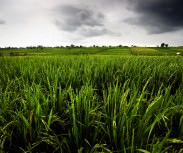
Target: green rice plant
[
  {"x": 91, "y": 104},
  {"x": 144, "y": 51}
]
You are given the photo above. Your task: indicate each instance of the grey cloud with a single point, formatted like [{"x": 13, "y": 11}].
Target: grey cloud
[
  {"x": 83, "y": 19},
  {"x": 3, "y": 3},
  {"x": 94, "y": 31},
  {"x": 2, "y": 21},
  {"x": 97, "y": 31},
  {"x": 157, "y": 16}
]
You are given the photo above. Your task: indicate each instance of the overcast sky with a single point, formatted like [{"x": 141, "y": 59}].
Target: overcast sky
[{"x": 88, "y": 22}]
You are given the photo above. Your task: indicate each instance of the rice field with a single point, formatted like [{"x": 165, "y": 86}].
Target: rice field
[
  {"x": 145, "y": 51},
  {"x": 89, "y": 104},
  {"x": 120, "y": 51}
]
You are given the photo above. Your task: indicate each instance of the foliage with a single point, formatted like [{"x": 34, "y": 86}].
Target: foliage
[
  {"x": 91, "y": 104},
  {"x": 122, "y": 51}
]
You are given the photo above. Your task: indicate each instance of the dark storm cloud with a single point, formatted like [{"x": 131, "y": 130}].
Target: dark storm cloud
[
  {"x": 158, "y": 16},
  {"x": 87, "y": 21}
]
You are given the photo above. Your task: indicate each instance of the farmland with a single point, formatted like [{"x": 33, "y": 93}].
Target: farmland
[
  {"x": 90, "y": 100},
  {"x": 136, "y": 51}
]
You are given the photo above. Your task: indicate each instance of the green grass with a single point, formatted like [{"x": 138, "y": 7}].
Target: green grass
[
  {"x": 65, "y": 51},
  {"x": 91, "y": 104},
  {"x": 170, "y": 51},
  {"x": 156, "y": 51},
  {"x": 120, "y": 51},
  {"x": 144, "y": 51}
]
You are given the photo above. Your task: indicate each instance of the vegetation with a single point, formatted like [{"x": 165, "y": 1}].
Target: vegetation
[
  {"x": 90, "y": 104},
  {"x": 138, "y": 51},
  {"x": 145, "y": 51}
]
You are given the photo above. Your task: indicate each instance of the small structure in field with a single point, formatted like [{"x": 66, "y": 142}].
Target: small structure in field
[{"x": 178, "y": 53}]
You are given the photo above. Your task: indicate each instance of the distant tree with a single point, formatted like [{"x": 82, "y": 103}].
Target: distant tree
[
  {"x": 133, "y": 46},
  {"x": 40, "y": 47},
  {"x": 166, "y": 45},
  {"x": 72, "y": 46},
  {"x": 162, "y": 44},
  {"x": 1, "y": 54}
]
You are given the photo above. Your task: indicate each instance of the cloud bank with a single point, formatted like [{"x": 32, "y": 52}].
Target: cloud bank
[
  {"x": 84, "y": 20},
  {"x": 157, "y": 16}
]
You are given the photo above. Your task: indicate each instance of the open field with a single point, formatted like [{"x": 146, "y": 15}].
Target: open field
[
  {"x": 137, "y": 51},
  {"x": 89, "y": 104}
]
